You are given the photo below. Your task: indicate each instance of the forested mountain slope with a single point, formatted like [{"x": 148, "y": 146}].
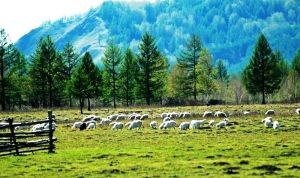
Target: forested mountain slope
[{"x": 229, "y": 28}]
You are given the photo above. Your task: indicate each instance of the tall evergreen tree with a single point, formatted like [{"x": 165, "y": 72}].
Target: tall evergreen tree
[
  {"x": 261, "y": 74},
  {"x": 47, "y": 75},
  {"x": 150, "y": 66},
  {"x": 6, "y": 61},
  {"x": 70, "y": 59},
  {"x": 296, "y": 62},
  {"x": 222, "y": 78},
  {"x": 112, "y": 59},
  {"x": 127, "y": 81},
  {"x": 188, "y": 59},
  {"x": 206, "y": 75},
  {"x": 94, "y": 78}
]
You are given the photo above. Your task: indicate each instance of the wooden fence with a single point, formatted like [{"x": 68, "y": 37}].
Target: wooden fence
[{"x": 17, "y": 143}]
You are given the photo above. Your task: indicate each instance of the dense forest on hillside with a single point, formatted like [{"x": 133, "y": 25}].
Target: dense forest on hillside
[{"x": 229, "y": 28}]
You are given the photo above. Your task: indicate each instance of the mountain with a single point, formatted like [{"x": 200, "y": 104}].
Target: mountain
[{"x": 229, "y": 28}]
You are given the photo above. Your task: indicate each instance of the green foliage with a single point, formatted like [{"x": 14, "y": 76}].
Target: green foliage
[
  {"x": 261, "y": 74},
  {"x": 207, "y": 84},
  {"x": 296, "y": 62},
  {"x": 112, "y": 59},
  {"x": 222, "y": 78},
  {"x": 188, "y": 60},
  {"x": 151, "y": 67},
  {"x": 47, "y": 75},
  {"x": 127, "y": 83}
]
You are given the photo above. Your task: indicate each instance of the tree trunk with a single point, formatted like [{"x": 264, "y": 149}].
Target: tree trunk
[
  {"x": 70, "y": 101},
  {"x": 81, "y": 105},
  {"x": 263, "y": 98},
  {"x": 2, "y": 80},
  {"x": 89, "y": 105}
]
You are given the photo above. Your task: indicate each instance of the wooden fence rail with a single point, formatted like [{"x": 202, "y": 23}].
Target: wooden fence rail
[{"x": 17, "y": 143}]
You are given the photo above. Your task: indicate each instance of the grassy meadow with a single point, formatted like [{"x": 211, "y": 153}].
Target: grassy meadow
[{"x": 245, "y": 149}]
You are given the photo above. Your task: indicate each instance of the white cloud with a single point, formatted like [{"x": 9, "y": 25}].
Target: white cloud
[{"x": 18, "y": 17}]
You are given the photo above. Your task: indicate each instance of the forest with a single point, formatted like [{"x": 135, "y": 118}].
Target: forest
[{"x": 54, "y": 78}]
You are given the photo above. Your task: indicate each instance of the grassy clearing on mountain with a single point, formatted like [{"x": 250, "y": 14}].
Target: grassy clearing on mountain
[{"x": 246, "y": 149}]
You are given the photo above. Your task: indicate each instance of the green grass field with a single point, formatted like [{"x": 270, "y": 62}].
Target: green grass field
[{"x": 245, "y": 149}]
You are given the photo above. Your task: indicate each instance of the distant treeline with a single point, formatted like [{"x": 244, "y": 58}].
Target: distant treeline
[{"x": 54, "y": 78}]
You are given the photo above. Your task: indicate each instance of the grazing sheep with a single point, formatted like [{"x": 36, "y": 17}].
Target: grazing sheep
[
  {"x": 166, "y": 119},
  {"x": 97, "y": 118},
  {"x": 180, "y": 115},
  {"x": 82, "y": 126},
  {"x": 136, "y": 124},
  {"x": 184, "y": 126},
  {"x": 153, "y": 125},
  {"x": 164, "y": 115},
  {"x": 221, "y": 124},
  {"x": 121, "y": 117},
  {"x": 131, "y": 116},
  {"x": 112, "y": 117},
  {"x": 246, "y": 113},
  {"x": 220, "y": 114},
  {"x": 23, "y": 127},
  {"x": 268, "y": 122},
  {"x": 270, "y": 112},
  {"x": 105, "y": 122},
  {"x": 186, "y": 115},
  {"x": 91, "y": 125},
  {"x": 46, "y": 127},
  {"x": 144, "y": 116},
  {"x": 117, "y": 125},
  {"x": 275, "y": 125},
  {"x": 196, "y": 124},
  {"x": 298, "y": 111},
  {"x": 92, "y": 121},
  {"x": 212, "y": 122},
  {"x": 226, "y": 120},
  {"x": 168, "y": 125},
  {"x": 173, "y": 115},
  {"x": 207, "y": 114},
  {"x": 38, "y": 127},
  {"x": 76, "y": 125},
  {"x": 87, "y": 118},
  {"x": 137, "y": 117}
]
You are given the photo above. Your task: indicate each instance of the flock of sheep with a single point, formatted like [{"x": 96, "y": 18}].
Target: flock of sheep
[{"x": 135, "y": 121}]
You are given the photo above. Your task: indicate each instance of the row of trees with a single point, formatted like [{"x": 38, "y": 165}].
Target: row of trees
[{"x": 56, "y": 79}]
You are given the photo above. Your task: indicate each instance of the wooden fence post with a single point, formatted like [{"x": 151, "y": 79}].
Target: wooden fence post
[
  {"x": 50, "y": 118},
  {"x": 13, "y": 136}
]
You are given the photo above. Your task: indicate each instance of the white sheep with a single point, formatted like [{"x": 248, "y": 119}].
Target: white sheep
[
  {"x": 137, "y": 117},
  {"x": 121, "y": 117},
  {"x": 166, "y": 119},
  {"x": 220, "y": 114},
  {"x": 97, "y": 118},
  {"x": 169, "y": 124},
  {"x": 112, "y": 117},
  {"x": 76, "y": 125},
  {"x": 153, "y": 124},
  {"x": 270, "y": 112},
  {"x": 196, "y": 124},
  {"x": 136, "y": 124},
  {"x": 38, "y": 127},
  {"x": 66, "y": 120},
  {"x": 226, "y": 120},
  {"x": 268, "y": 122},
  {"x": 164, "y": 115},
  {"x": 91, "y": 125},
  {"x": 144, "y": 116},
  {"x": 46, "y": 126},
  {"x": 117, "y": 125},
  {"x": 207, "y": 114},
  {"x": 131, "y": 116},
  {"x": 162, "y": 125},
  {"x": 173, "y": 115},
  {"x": 298, "y": 111},
  {"x": 221, "y": 124},
  {"x": 184, "y": 126},
  {"x": 92, "y": 121},
  {"x": 212, "y": 122},
  {"x": 275, "y": 125},
  {"x": 87, "y": 118},
  {"x": 105, "y": 122},
  {"x": 246, "y": 113}
]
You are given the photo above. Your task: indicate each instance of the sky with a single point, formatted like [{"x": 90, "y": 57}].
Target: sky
[{"x": 19, "y": 17}]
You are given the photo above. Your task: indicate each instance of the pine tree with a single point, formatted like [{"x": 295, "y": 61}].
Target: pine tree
[
  {"x": 222, "y": 78},
  {"x": 112, "y": 59},
  {"x": 296, "y": 62},
  {"x": 188, "y": 60},
  {"x": 6, "y": 61},
  {"x": 94, "y": 78},
  {"x": 261, "y": 74},
  {"x": 47, "y": 75},
  {"x": 70, "y": 59},
  {"x": 151, "y": 66},
  {"x": 206, "y": 75},
  {"x": 127, "y": 81}
]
